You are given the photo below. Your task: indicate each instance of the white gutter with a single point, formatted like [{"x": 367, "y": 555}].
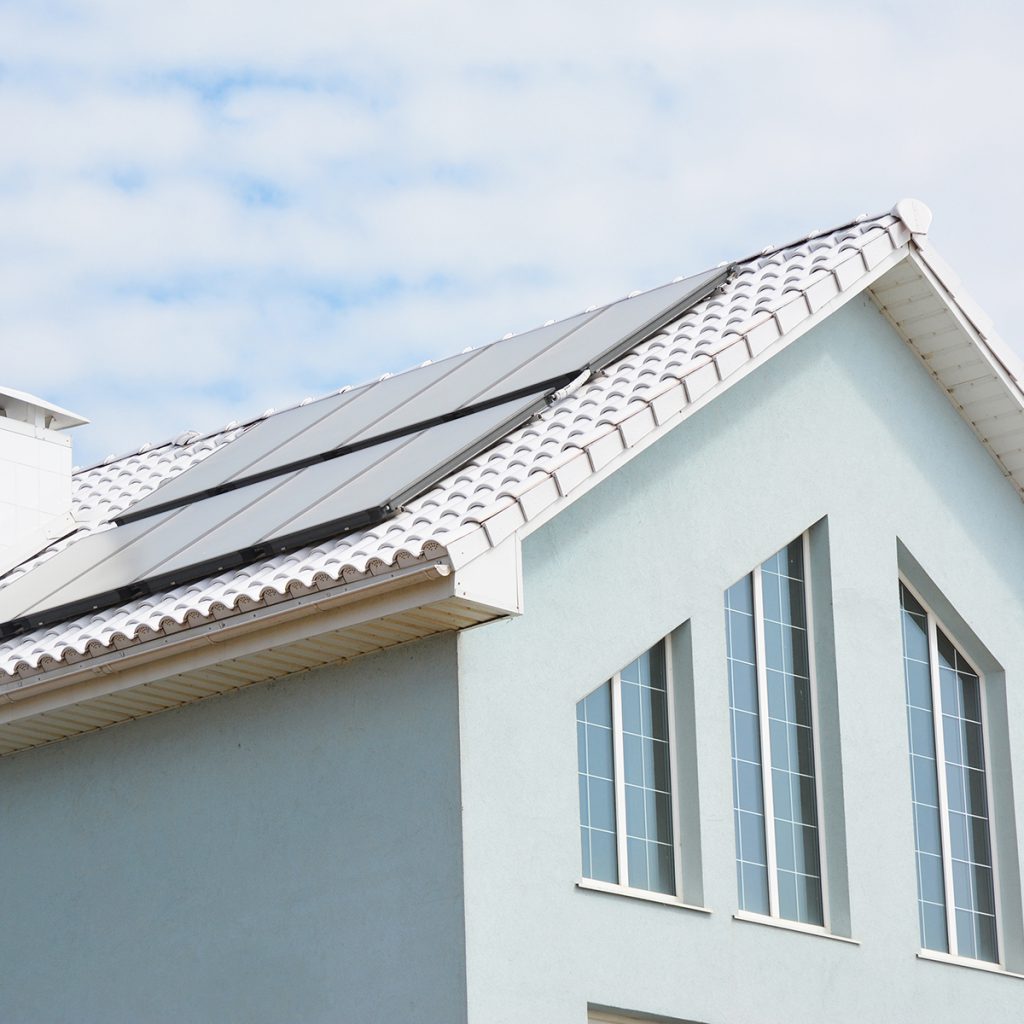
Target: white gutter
[{"x": 242, "y": 633}]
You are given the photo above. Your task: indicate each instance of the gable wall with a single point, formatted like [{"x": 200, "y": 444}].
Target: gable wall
[
  {"x": 289, "y": 852},
  {"x": 844, "y": 424}
]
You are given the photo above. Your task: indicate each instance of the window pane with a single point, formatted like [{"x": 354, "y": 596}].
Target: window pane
[
  {"x": 973, "y": 891},
  {"x": 647, "y": 773},
  {"x": 753, "y": 887},
  {"x": 748, "y": 785},
  {"x": 933, "y": 926},
  {"x": 787, "y": 668},
  {"x": 920, "y": 730},
  {"x": 597, "y": 789},
  {"x": 969, "y": 856}
]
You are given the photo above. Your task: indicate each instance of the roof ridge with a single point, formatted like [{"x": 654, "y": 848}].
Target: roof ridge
[
  {"x": 187, "y": 437},
  {"x": 473, "y": 507},
  {"x": 772, "y": 249}
]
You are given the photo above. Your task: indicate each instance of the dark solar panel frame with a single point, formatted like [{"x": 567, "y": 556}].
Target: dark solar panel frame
[{"x": 510, "y": 410}]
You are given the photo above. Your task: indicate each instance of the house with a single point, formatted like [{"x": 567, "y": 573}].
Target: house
[{"x": 663, "y": 664}]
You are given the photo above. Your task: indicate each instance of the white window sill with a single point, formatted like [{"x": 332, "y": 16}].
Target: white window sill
[
  {"x": 637, "y": 894},
  {"x": 791, "y": 926},
  {"x": 963, "y": 961}
]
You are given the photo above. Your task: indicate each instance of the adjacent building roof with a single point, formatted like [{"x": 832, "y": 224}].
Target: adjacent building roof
[{"x": 585, "y": 432}]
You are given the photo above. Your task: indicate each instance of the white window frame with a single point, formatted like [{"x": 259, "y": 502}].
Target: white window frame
[
  {"x": 934, "y": 625},
  {"x": 765, "y": 737},
  {"x": 619, "y": 783}
]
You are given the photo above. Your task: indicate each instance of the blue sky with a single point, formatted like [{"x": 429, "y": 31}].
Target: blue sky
[{"x": 207, "y": 210}]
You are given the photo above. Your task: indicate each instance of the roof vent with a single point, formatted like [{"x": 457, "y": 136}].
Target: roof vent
[{"x": 35, "y": 470}]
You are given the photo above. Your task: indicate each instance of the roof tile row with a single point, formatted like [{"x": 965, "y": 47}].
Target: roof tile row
[{"x": 512, "y": 481}]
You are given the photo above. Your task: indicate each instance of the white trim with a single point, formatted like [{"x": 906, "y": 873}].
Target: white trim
[
  {"x": 992, "y": 845},
  {"x": 619, "y": 788},
  {"x": 963, "y": 961},
  {"x": 637, "y": 894},
  {"x": 764, "y": 730},
  {"x": 812, "y": 673},
  {"x": 223, "y": 633},
  {"x": 673, "y": 767},
  {"x": 212, "y": 643},
  {"x": 792, "y": 926},
  {"x": 940, "y": 777},
  {"x": 972, "y": 321},
  {"x": 594, "y": 476},
  {"x": 619, "y": 782},
  {"x": 953, "y": 956}
]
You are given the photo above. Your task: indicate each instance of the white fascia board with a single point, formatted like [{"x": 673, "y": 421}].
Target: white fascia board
[
  {"x": 687, "y": 409},
  {"x": 494, "y": 581},
  {"x": 235, "y": 636},
  {"x": 969, "y": 314}
]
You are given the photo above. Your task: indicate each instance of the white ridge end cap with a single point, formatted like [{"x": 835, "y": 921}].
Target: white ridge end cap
[{"x": 914, "y": 214}]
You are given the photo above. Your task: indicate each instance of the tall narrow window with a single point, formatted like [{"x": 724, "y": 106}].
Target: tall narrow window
[
  {"x": 624, "y": 757},
  {"x": 771, "y": 699},
  {"x": 955, "y": 884}
]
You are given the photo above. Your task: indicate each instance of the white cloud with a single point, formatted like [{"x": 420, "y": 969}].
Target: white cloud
[{"x": 206, "y": 209}]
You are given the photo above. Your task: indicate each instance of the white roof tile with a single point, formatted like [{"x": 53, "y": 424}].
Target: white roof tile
[{"x": 769, "y": 294}]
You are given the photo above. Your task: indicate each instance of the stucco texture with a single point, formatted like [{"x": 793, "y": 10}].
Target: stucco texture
[
  {"x": 287, "y": 853},
  {"x": 845, "y": 424}
]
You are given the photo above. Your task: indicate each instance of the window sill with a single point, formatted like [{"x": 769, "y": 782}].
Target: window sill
[
  {"x": 637, "y": 894},
  {"x": 963, "y": 961},
  {"x": 791, "y": 926}
]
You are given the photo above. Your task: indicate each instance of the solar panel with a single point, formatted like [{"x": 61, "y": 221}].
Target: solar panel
[
  {"x": 394, "y": 403},
  {"x": 251, "y": 522},
  {"x": 318, "y": 471},
  {"x": 545, "y": 357}
]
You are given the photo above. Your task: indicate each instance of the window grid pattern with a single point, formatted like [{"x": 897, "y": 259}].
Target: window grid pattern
[
  {"x": 646, "y": 773},
  {"x": 967, "y": 793},
  {"x": 944, "y": 720},
  {"x": 790, "y": 722},
  {"x": 771, "y": 706},
  {"x": 594, "y": 746},
  {"x": 931, "y": 891},
  {"x": 624, "y": 759},
  {"x": 747, "y": 780}
]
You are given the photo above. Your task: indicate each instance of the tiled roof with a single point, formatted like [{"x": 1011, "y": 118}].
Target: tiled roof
[{"x": 516, "y": 479}]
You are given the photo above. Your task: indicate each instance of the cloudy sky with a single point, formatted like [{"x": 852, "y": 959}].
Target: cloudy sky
[{"x": 209, "y": 208}]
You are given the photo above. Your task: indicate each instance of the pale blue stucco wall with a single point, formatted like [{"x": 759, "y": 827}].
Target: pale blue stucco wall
[
  {"x": 293, "y": 852},
  {"x": 845, "y": 424},
  {"x": 287, "y": 853}
]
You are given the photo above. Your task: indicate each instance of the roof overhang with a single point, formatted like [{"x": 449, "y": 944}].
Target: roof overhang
[
  {"x": 977, "y": 370},
  {"x": 289, "y": 636}
]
